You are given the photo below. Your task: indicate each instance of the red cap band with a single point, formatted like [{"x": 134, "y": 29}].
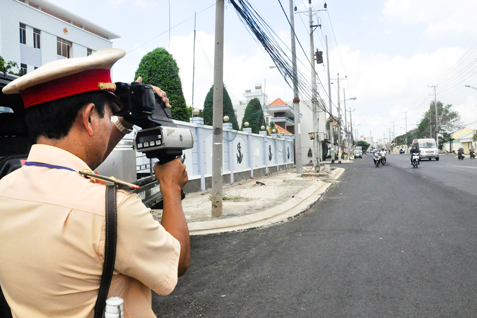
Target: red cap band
[{"x": 74, "y": 84}]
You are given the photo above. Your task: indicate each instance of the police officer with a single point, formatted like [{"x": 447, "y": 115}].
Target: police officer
[{"x": 52, "y": 231}]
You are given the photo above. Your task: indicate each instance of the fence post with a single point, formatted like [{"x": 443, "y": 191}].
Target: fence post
[
  {"x": 229, "y": 142},
  {"x": 249, "y": 147},
  {"x": 199, "y": 121},
  {"x": 263, "y": 134}
]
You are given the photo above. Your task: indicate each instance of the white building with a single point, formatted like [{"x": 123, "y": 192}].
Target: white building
[
  {"x": 283, "y": 114},
  {"x": 306, "y": 127},
  {"x": 249, "y": 95},
  {"x": 33, "y": 33}
]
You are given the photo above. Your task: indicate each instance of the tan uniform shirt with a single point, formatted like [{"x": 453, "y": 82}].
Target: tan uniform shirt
[{"x": 52, "y": 235}]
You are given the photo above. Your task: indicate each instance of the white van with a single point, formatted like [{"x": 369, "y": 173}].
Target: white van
[{"x": 428, "y": 148}]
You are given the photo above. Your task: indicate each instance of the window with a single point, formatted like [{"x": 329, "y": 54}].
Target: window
[
  {"x": 63, "y": 48},
  {"x": 36, "y": 38},
  {"x": 22, "y": 33},
  {"x": 89, "y": 52},
  {"x": 23, "y": 69}
]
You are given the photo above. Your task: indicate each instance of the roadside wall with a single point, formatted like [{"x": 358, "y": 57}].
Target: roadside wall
[{"x": 245, "y": 155}]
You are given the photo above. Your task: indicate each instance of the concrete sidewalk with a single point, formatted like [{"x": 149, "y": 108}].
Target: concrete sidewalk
[{"x": 257, "y": 202}]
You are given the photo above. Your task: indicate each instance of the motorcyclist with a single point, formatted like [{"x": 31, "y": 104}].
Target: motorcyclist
[
  {"x": 383, "y": 153},
  {"x": 414, "y": 149},
  {"x": 460, "y": 152},
  {"x": 472, "y": 151}
]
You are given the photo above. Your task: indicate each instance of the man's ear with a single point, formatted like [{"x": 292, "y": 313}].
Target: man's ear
[{"x": 86, "y": 115}]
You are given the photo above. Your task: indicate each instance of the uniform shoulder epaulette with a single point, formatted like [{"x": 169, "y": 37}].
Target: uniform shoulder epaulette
[{"x": 102, "y": 179}]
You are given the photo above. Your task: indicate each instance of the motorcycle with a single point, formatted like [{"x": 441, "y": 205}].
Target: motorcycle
[
  {"x": 472, "y": 155},
  {"x": 401, "y": 151},
  {"x": 377, "y": 159},
  {"x": 415, "y": 160},
  {"x": 460, "y": 156},
  {"x": 383, "y": 160}
]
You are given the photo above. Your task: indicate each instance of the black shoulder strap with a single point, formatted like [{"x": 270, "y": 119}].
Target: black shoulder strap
[
  {"x": 5, "y": 311},
  {"x": 109, "y": 249}
]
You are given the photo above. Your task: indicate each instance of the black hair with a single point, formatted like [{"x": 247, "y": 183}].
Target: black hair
[{"x": 54, "y": 119}]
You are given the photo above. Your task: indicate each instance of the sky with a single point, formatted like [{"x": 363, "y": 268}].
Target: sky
[{"x": 387, "y": 53}]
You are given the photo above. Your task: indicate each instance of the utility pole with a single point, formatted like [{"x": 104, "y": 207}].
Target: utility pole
[
  {"x": 218, "y": 110},
  {"x": 332, "y": 152},
  {"x": 314, "y": 92},
  {"x": 346, "y": 123},
  {"x": 394, "y": 134},
  {"x": 296, "y": 99},
  {"x": 339, "y": 122},
  {"x": 339, "y": 119},
  {"x": 193, "y": 68},
  {"x": 435, "y": 106},
  {"x": 351, "y": 127},
  {"x": 405, "y": 120}
]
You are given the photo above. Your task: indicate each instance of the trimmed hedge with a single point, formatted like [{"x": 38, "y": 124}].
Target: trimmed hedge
[
  {"x": 254, "y": 115},
  {"x": 228, "y": 109},
  {"x": 159, "y": 68}
]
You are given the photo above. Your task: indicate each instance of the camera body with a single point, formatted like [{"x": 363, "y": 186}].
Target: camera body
[{"x": 159, "y": 137}]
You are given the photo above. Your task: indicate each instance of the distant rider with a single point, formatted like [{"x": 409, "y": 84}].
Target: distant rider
[{"x": 414, "y": 149}]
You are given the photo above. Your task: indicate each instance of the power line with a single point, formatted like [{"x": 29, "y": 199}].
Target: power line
[{"x": 170, "y": 28}]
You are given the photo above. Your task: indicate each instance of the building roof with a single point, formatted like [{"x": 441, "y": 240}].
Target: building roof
[
  {"x": 69, "y": 17},
  {"x": 467, "y": 137},
  {"x": 280, "y": 130},
  {"x": 462, "y": 132},
  {"x": 278, "y": 102}
]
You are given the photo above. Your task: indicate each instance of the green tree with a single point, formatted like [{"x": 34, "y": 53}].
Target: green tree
[
  {"x": 271, "y": 125},
  {"x": 363, "y": 144},
  {"x": 228, "y": 109},
  {"x": 254, "y": 115},
  {"x": 448, "y": 121},
  {"x": 159, "y": 68},
  {"x": 5, "y": 67},
  {"x": 335, "y": 133}
]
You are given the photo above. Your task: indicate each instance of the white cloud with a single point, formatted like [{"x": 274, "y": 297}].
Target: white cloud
[{"x": 441, "y": 16}]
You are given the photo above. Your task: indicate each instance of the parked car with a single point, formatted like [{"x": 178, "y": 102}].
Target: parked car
[{"x": 358, "y": 154}]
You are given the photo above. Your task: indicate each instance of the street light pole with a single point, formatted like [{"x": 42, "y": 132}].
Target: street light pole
[
  {"x": 435, "y": 106},
  {"x": 339, "y": 119},
  {"x": 332, "y": 153},
  {"x": 351, "y": 126},
  {"x": 346, "y": 124}
]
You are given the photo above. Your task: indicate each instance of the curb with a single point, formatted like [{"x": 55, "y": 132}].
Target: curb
[{"x": 288, "y": 210}]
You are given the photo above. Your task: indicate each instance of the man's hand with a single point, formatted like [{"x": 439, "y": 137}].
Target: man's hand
[
  {"x": 158, "y": 91},
  {"x": 172, "y": 177}
]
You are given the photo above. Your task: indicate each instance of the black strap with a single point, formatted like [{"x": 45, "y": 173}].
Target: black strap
[
  {"x": 109, "y": 250},
  {"x": 5, "y": 311}
]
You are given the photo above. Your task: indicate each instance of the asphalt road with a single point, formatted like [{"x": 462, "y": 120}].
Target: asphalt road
[{"x": 391, "y": 241}]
